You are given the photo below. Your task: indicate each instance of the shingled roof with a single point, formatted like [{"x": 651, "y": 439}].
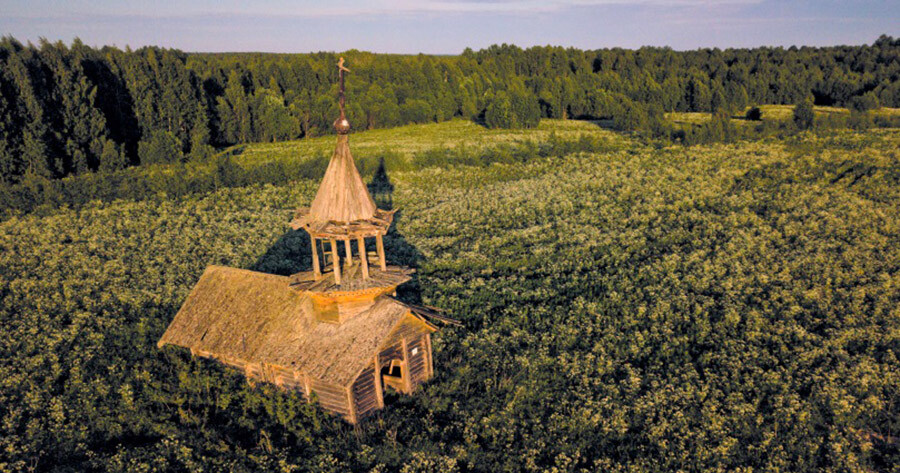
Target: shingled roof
[
  {"x": 342, "y": 196},
  {"x": 258, "y": 318}
]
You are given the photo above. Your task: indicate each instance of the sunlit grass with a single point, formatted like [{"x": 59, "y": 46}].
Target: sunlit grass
[
  {"x": 408, "y": 140},
  {"x": 779, "y": 113}
]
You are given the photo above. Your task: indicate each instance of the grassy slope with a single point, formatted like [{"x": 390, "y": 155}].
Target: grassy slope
[
  {"x": 771, "y": 113},
  {"x": 407, "y": 140}
]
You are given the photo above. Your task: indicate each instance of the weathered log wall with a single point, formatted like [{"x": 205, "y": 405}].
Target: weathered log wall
[
  {"x": 364, "y": 393},
  {"x": 417, "y": 360}
]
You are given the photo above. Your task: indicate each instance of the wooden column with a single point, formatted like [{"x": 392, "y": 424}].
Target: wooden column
[
  {"x": 352, "y": 404},
  {"x": 336, "y": 261},
  {"x": 349, "y": 250},
  {"x": 379, "y": 246},
  {"x": 364, "y": 259},
  {"x": 429, "y": 362},
  {"x": 379, "y": 389},
  {"x": 407, "y": 376},
  {"x": 317, "y": 270}
]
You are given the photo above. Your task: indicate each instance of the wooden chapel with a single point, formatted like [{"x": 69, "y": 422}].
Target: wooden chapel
[{"x": 334, "y": 332}]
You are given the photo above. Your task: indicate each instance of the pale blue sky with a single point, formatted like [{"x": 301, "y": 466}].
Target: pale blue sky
[{"x": 448, "y": 26}]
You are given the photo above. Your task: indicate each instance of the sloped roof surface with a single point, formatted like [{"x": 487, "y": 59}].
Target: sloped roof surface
[
  {"x": 257, "y": 317},
  {"x": 342, "y": 195}
]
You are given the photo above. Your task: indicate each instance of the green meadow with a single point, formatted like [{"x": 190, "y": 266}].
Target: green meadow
[{"x": 627, "y": 305}]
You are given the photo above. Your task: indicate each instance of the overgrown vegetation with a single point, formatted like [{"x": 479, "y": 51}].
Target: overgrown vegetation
[{"x": 628, "y": 306}]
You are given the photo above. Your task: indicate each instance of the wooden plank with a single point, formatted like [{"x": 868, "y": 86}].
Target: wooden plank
[
  {"x": 348, "y": 249},
  {"x": 330, "y": 398},
  {"x": 327, "y": 388},
  {"x": 379, "y": 389},
  {"x": 332, "y": 401},
  {"x": 351, "y": 271},
  {"x": 391, "y": 353},
  {"x": 365, "y": 392},
  {"x": 366, "y": 408},
  {"x": 364, "y": 259},
  {"x": 379, "y": 245},
  {"x": 336, "y": 265},
  {"x": 338, "y": 409},
  {"x": 366, "y": 405},
  {"x": 317, "y": 270},
  {"x": 352, "y": 403},
  {"x": 428, "y": 356},
  {"x": 405, "y": 370},
  {"x": 392, "y": 382},
  {"x": 327, "y": 392}
]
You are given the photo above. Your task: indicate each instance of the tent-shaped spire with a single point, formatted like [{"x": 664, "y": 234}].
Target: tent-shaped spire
[{"x": 342, "y": 196}]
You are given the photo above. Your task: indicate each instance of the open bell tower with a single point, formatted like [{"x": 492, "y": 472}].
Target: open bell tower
[
  {"x": 333, "y": 332},
  {"x": 343, "y": 222}
]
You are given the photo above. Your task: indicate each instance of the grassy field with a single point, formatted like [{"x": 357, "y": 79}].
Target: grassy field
[
  {"x": 777, "y": 113},
  {"x": 405, "y": 141},
  {"x": 642, "y": 308}
]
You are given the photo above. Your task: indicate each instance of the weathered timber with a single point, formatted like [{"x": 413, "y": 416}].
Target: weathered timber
[
  {"x": 348, "y": 250},
  {"x": 379, "y": 244},
  {"x": 407, "y": 382},
  {"x": 429, "y": 355},
  {"x": 315, "y": 258},
  {"x": 364, "y": 259},
  {"x": 351, "y": 403},
  {"x": 336, "y": 264},
  {"x": 379, "y": 389}
]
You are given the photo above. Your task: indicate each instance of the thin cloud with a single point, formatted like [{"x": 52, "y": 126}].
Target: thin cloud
[{"x": 353, "y": 9}]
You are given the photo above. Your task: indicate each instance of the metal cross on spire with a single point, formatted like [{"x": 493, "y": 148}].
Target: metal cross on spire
[
  {"x": 341, "y": 71},
  {"x": 341, "y": 125}
]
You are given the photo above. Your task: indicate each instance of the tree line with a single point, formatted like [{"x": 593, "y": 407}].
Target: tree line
[{"x": 72, "y": 109}]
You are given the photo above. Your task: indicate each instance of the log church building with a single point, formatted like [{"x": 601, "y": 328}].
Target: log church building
[{"x": 334, "y": 332}]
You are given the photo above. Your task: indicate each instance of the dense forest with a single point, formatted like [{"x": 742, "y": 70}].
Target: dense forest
[{"x": 75, "y": 109}]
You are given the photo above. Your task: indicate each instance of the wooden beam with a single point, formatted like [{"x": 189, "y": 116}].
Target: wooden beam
[
  {"x": 317, "y": 270},
  {"x": 407, "y": 381},
  {"x": 429, "y": 362},
  {"x": 307, "y": 388},
  {"x": 364, "y": 259},
  {"x": 352, "y": 404},
  {"x": 336, "y": 264},
  {"x": 379, "y": 246},
  {"x": 348, "y": 249},
  {"x": 379, "y": 389},
  {"x": 351, "y": 271}
]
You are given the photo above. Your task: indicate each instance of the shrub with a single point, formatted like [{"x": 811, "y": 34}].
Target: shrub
[
  {"x": 804, "y": 115},
  {"x": 512, "y": 109},
  {"x": 630, "y": 117},
  {"x": 416, "y": 111},
  {"x": 111, "y": 158},
  {"x": 525, "y": 108},
  {"x": 754, "y": 114},
  {"x": 865, "y": 102},
  {"x": 161, "y": 147},
  {"x": 499, "y": 112}
]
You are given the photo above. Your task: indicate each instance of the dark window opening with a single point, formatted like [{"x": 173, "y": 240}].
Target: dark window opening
[{"x": 394, "y": 369}]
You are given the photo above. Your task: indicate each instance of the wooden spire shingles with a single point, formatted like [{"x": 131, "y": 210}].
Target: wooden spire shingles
[{"x": 342, "y": 195}]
